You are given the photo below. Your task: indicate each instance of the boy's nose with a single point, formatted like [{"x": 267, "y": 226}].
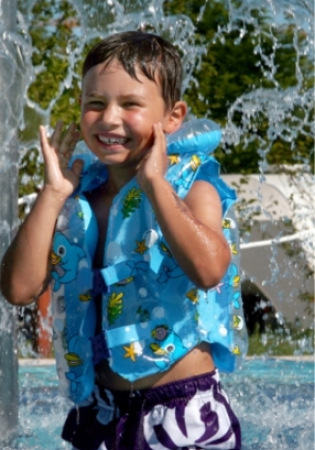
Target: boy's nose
[{"x": 110, "y": 114}]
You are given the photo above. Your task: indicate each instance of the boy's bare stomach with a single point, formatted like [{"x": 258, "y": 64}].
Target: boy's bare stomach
[{"x": 196, "y": 362}]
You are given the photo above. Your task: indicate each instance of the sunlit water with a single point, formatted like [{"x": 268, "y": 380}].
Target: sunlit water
[{"x": 274, "y": 400}]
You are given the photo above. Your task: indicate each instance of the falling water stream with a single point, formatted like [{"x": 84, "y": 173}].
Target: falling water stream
[{"x": 88, "y": 20}]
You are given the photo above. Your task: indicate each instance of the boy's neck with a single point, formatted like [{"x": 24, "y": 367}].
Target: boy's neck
[{"x": 118, "y": 178}]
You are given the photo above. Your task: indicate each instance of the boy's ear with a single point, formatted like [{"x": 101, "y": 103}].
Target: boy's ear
[{"x": 176, "y": 117}]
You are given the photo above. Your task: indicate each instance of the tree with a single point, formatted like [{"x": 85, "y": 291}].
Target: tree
[
  {"x": 251, "y": 76},
  {"x": 54, "y": 91},
  {"x": 251, "y": 66}
]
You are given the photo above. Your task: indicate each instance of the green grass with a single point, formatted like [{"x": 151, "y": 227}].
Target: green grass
[{"x": 282, "y": 342}]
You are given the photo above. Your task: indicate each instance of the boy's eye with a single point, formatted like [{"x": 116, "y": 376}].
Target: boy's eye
[
  {"x": 95, "y": 104},
  {"x": 131, "y": 104}
]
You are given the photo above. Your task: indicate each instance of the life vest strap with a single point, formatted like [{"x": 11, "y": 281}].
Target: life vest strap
[
  {"x": 99, "y": 285},
  {"x": 99, "y": 348}
]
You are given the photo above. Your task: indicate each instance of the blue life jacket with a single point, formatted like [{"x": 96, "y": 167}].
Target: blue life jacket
[{"x": 152, "y": 313}]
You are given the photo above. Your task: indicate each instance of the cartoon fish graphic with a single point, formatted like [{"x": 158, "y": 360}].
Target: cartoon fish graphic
[
  {"x": 166, "y": 350},
  {"x": 125, "y": 281},
  {"x": 160, "y": 332},
  {"x": 67, "y": 256},
  {"x": 85, "y": 297},
  {"x": 73, "y": 359}
]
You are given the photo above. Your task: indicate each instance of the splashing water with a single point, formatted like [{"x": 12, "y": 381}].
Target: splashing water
[
  {"x": 273, "y": 400},
  {"x": 75, "y": 25}
]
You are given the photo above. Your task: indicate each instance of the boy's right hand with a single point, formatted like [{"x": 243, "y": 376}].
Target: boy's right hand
[
  {"x": 26, "y": 268},
  {"x": 57, "y": 151}
]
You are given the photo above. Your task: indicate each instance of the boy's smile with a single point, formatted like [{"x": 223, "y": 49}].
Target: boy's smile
[{"x": 118, "y": 113}]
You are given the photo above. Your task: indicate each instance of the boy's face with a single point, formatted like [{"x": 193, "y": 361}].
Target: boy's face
[{"x": 118, "y": 113}]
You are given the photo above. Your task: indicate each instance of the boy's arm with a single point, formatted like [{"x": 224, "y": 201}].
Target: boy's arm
[
  {"x": 192, "y": 227},
  {"x": 25, "y": 268}
]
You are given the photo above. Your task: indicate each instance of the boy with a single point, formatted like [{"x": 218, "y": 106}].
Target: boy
[{"x": 157, "y": 388}]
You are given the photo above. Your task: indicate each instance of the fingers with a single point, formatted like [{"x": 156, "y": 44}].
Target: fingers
[
  {"x": 68, "y": 141},
  {"x": 44, "y": 142},
  {"x": 153, "y": 164},
  {"x": 159, "y": 136},
  {"x": 77, "y": 167},
  {"x": 63, "y": 143},
  {"x": 55, "y": 139},
  {"x": 43, "y": 137}
]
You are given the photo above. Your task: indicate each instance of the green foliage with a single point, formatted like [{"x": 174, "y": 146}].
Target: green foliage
[
  {"x": 239, "y": 58},
  {"x": 52, "y": 36},
  {"x": 51, "y": 31},
  {"x": 282, "y": 342}
]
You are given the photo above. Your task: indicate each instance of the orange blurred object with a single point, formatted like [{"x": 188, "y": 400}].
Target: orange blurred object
[{"x": 44, "y": 338}]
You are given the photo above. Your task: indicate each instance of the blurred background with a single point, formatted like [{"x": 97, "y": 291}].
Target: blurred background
[{"x": 249, "y": 67}]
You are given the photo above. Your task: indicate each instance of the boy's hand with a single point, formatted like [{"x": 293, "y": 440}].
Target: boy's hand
[
  {"x": 154, "y": 164},
  {"x": 57, "y": 151}
]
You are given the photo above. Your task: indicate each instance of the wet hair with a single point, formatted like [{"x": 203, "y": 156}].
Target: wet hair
[{"x": 152, "y": 54}]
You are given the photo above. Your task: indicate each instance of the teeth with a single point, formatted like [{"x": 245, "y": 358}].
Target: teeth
[{"x": 112, "y": 140}]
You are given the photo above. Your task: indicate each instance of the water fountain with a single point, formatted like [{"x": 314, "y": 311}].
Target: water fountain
[
  {"x": 84, "y": 20},
  {"x": 11, "y": 103}
]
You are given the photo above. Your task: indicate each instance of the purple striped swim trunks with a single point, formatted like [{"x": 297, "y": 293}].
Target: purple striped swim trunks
[{"x": 188, "y": 414}]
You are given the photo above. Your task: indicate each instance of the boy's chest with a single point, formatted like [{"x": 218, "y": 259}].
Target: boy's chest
[{"x": 100, "y": 203}]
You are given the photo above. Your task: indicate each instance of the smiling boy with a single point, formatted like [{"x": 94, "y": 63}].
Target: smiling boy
[{"x": 156, "y": 391}]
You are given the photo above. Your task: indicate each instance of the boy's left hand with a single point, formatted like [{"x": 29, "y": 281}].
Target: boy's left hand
[{"x": 154, "y": 164}]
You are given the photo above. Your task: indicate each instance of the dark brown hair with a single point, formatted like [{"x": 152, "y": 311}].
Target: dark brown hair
[{"x": 152, "y": 54}]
